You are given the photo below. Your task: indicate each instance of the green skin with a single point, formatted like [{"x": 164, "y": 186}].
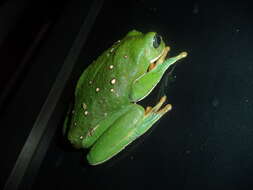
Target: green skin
[{"x": 105, "y": 116}]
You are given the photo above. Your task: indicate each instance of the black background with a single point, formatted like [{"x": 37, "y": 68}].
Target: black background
[{"x": 206, "y": 141}]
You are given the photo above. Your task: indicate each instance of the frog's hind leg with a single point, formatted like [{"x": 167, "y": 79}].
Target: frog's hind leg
[{"x": 124, "y": 130}]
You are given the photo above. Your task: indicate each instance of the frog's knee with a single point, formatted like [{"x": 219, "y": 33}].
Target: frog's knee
[{"x": 137, "y": 110}]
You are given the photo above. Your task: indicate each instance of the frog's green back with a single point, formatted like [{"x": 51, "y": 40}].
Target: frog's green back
[{"x": 104, "y": 87}]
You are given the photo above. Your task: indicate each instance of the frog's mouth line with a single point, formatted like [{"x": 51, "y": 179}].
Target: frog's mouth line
[{"x": 159, "y": 59}]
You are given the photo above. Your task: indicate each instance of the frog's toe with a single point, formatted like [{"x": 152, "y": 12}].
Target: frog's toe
[
  {"x": 165, "y": 109},
  {"x": 157, "y": 108}
]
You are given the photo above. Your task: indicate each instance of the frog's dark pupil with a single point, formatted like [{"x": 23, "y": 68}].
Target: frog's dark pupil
[{"x": 156, "y": 41}]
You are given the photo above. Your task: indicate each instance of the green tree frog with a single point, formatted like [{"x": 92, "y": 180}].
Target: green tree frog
[{"x": 105, "y": 116}]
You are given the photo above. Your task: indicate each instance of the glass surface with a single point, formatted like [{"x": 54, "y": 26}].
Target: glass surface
[{"x": 206, "y": 141}]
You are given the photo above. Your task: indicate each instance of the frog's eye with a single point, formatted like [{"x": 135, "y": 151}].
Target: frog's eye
[{"x": 156, "y": 41}]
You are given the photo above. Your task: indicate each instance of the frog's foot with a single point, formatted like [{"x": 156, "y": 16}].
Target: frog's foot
[
  {"x": 160, "y": 59},
  {"x": 156, "y": 109},
  {"x": 153, "y": 114}
]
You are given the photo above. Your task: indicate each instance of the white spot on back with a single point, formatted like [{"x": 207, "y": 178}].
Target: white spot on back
[
  {"x": 84, "y": 106},
  {"x": 113, "y": 81}
]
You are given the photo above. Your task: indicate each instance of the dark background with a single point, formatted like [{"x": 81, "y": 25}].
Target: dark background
[{"x": 205, "y": 142}]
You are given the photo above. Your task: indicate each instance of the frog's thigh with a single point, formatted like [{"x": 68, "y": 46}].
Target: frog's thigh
[
  {"x": 92, "y": 135},
  {"x": 120, "y": 133}
]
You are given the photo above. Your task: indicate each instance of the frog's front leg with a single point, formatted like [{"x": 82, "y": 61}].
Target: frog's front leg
[
  {"x": 125, "y": 130},
  {"x": 143, "y": 85}
]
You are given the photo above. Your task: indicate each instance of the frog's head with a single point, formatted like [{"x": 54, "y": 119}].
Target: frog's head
[
  {"x": 146, "y": 49},
  {"x": 153, "y": 46}
]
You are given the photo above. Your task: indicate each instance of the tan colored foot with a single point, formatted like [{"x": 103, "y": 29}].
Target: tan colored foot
[
  {"x": 156, "y": 108},
  {"x": 148, "y": 109}
]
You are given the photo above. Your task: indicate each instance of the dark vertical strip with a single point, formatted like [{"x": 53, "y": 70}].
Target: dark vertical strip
[{"x": 41, "y": 123}]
